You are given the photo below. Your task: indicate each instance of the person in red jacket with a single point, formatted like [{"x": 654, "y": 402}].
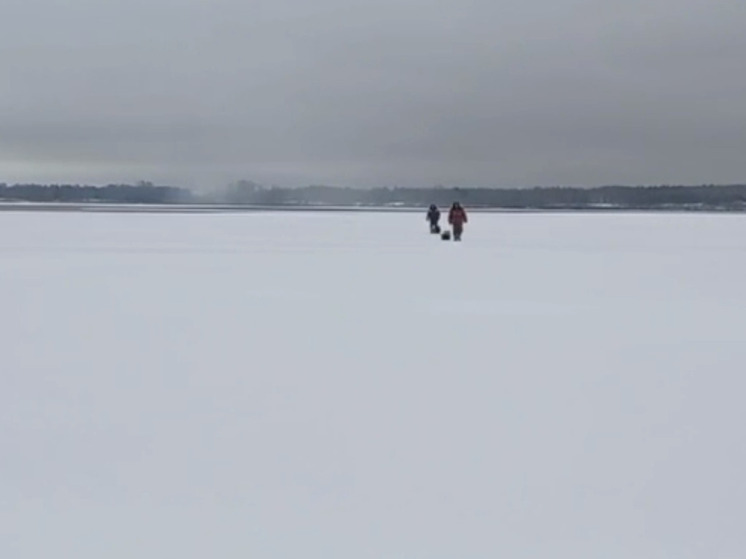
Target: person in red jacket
[{"x": 457, "y": 218}]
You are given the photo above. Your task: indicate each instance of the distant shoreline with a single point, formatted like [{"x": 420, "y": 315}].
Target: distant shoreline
[
  {"x": 246, "y": 196},
  {"x": 187, "y": 208}
]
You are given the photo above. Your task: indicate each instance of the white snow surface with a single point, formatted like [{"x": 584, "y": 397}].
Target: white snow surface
[{"x": 345, "y": 385}]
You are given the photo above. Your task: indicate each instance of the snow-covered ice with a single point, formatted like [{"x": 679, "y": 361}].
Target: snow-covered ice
[{"x": 345, "y": 385}]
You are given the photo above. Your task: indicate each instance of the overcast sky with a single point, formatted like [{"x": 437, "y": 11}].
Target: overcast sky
[{"x": 373, "y": 92}]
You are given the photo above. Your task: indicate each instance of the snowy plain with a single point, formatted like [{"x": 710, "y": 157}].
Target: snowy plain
[{"x": 345, "y": 385}]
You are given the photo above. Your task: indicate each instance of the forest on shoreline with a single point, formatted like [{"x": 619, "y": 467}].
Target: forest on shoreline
[{"x": 243, "y": 193}]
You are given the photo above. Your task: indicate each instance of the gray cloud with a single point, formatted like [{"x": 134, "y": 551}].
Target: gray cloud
[{"x": 481, "y": 92}]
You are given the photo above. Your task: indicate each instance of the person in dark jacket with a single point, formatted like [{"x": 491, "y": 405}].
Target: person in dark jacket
[
  {"x": 433, "y": 216},
  {"x": 457, "y": 218}
]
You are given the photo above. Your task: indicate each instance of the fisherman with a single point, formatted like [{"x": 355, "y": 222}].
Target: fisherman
[
  {"x": 457, "y": 218},
  {"x": 433, "y": 217}
]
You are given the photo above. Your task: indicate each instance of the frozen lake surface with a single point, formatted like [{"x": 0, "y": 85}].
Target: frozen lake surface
[{"x": 343, "y": 385}]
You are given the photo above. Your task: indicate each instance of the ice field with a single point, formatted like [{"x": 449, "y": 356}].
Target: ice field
[{"x": 345, "y": 385}]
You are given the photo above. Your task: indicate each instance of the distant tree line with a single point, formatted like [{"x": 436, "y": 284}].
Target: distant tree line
[
  {"x": 704, "y": 197},
  {"x": 141, "y": 193},
  {"x": 723, "y": 197}
]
